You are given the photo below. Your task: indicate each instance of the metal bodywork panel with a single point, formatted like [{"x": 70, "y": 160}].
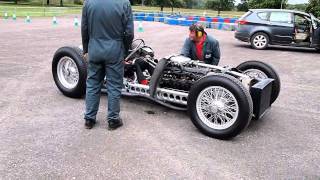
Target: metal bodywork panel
[{"x": 261, "y": 97}]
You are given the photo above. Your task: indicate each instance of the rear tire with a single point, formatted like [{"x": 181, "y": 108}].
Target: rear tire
[
  {"x": 259, "y": 41},
  {"x": 220, "y": 106},
  {"x": 69, "y": 71}
]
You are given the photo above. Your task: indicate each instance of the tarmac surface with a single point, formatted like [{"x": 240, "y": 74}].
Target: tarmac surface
[{"x": 43, "y": 137}]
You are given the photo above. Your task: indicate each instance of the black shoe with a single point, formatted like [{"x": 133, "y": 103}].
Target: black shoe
[
  {"x": 114, "y": 124},
  {"x": 89, "y": 123}
]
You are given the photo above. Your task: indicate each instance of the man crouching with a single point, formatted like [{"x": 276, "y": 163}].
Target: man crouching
[{"x": 201, "y": 46}]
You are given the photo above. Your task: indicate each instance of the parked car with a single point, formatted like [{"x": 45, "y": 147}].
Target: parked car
[{"x": 263, "y": 27}]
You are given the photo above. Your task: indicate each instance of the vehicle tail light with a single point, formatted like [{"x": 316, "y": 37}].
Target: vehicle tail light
[{"x": 242, "y": 22}]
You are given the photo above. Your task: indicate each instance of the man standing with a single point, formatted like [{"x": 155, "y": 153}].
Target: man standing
[
  {"x": 107, "y": 32},
  {"x": 201, "y": 46}
]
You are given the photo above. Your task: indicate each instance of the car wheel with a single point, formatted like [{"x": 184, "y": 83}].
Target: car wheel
[
  {"x": 257, "y": 69},
  {"x": 220, "y": 106},
  {"x": 260, "y": 40},
  {"x": 69, "y": 71}
]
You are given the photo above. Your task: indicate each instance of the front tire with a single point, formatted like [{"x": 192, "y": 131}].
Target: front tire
[
  {"x": 69, "y": 71},
  {"x": 258, "y": 69},
  {"x": 220, "y": 106}
]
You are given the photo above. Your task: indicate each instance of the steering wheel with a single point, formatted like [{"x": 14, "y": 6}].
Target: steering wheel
[{"x": 140, "y": 44}]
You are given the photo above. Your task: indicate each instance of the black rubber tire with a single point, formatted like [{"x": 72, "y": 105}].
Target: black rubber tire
[
  {"x": 76, "y": 54},
  {"x": 241, "y": 94},
  {"x": 156, "y": 76},
  {"x": 268, "y": 70},
  {"x": 256, "y": 34},
  {"x": 318, "y": 49}
]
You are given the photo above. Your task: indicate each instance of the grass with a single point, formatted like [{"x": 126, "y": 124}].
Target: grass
[{"x": 36, "y": 9}]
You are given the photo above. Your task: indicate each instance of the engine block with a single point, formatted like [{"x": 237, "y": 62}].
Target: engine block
[{"x": 181, "y": 77}]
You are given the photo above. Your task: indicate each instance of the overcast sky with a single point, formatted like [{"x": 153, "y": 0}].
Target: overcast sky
[{"x": 290, "y": 1}]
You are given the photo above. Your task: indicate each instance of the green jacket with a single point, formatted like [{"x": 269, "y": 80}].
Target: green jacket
[
  {"x": 107, "y": 29},
  {"x": 211, "y": 50}
]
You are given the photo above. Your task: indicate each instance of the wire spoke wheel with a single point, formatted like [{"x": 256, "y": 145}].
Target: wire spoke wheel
[
  {"x": 217, "y": 107},
  {"x": 255, "y": 73}
]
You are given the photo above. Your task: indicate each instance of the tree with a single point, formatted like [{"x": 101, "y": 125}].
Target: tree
[
  {"x": 161, "y": 3},
  {"x": 220, "y": 5},
  {"x": 61, "y": 3},
  {"x": 175, "y": 3},
  {"x": 314, "y": 7},
  {"x": 188, "y": 3},
  {"x": 272, "y": 4},
  {"x": 243, "y": 7},
  {"x": 170, "y": 3},
  {"x": 300, "y": 7}
]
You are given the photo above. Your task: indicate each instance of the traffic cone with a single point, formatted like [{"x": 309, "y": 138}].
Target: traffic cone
[
  {"x": 5, "y": 15},
  {"x": 140, "y": 28},
  {"x": 14, "y": 17},
  {"x": 54, "y": 21},
  {"x": 28, "y": 19},
  {"x": 76, "y": 22}
]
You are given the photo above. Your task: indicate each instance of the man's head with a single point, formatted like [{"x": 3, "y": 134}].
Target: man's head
[{"x": 196, "y": 32}]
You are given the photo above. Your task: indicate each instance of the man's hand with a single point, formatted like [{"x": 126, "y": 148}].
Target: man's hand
[{"x": 127, "y": 62}]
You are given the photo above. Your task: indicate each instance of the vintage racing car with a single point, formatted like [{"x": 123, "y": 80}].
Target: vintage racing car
[{"x": 221, "y": 101}]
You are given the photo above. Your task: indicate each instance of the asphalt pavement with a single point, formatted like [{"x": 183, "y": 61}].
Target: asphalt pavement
[{"x": 43, "y": 137}]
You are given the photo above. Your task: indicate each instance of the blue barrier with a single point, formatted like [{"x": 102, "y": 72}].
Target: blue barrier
[
  {"x": 220, "y": 20},
  {"x": 196, "y": 18},
  {"x": 186, "y": 22},
  {"x": 233, "y": 20},
  {"x": 159, "y": 19},
  {"x": 149, "y": 18},
  {"x": 209, "y": 22},
  {"x": 140, "y": 14},
  {"x": 172, "y": 21},
  {"x": 209, "y": 19},
  {"x": 139, "y": 18}
]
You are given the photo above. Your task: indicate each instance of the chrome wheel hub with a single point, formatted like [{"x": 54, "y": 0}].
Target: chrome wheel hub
[{"x": 68, "y": 73}]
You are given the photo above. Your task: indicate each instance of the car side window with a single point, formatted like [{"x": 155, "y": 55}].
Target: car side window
[
  {"x": 281, "y": 17},
  {"x": 299, "y": 19},
  {"x": 263, "y": 15}
]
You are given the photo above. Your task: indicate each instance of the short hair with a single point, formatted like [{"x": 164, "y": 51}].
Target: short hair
[{"x": 196, "y": 27}]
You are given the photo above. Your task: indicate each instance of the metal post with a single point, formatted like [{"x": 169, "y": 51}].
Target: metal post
[
  {"x": 219, "y": 9},
  {"x": 44, "y": 14}
]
